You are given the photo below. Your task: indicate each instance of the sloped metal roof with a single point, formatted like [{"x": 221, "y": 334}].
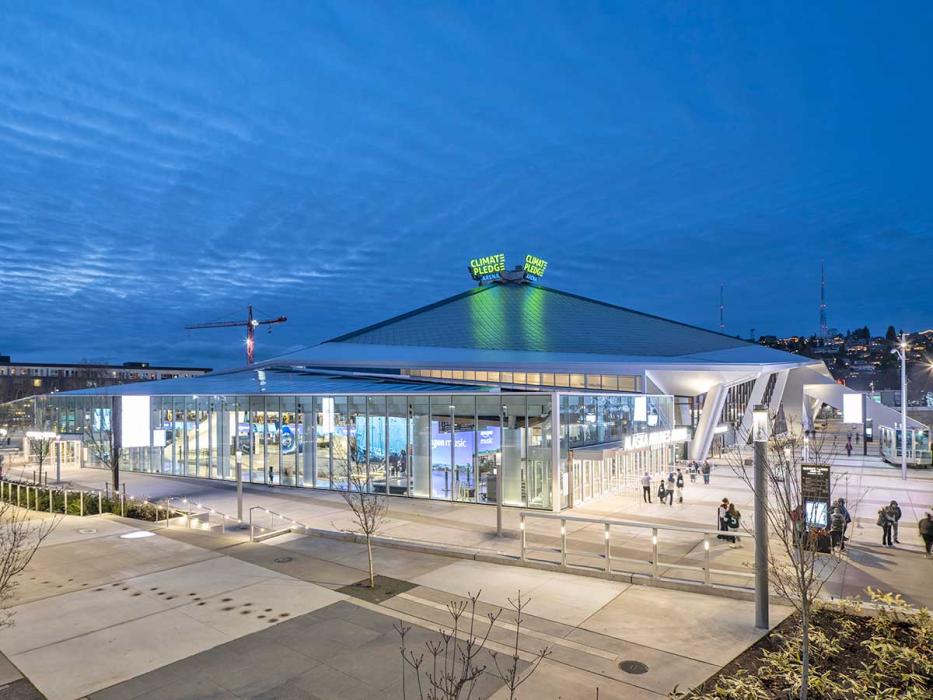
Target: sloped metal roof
[
  {"x": 274, "y": 380},
  {"x": 530, "y": 318}
]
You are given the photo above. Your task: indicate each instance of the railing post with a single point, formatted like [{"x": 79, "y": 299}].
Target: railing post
[
  {"x": 521, "y": 527},
  {"x": 51, "y": 500},
  {"x": 563, "y": 542},
  {"x": 654, "y": 552},
  {"x": 251, "y": 536},
  {"x": 81, "y": 504},
  {"x": 65, "y": 506},
  {"x": 608, "y": 551},
  {"x": 17, "y": 496},
  {"x": 706, "y": 567},
  {"x": 100, "y": 503},
  {"x": 123, "y": 501}
]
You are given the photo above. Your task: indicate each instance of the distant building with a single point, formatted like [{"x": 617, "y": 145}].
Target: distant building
[{"x": 21, "y": 379}]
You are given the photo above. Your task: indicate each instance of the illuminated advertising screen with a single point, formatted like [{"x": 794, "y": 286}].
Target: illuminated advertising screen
[
  {"x": 852, "y": 408},
  {"x": 135, "y": 417},
  {"x": 463, "y": 445}
]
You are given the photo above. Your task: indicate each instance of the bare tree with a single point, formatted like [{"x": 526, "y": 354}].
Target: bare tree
[
  {"x": 40, "y": 448},
  {"x": 20, "y": 537},
  {"x": 369, "y": 511},
  {"x": 452, "y": 666},
  {"x": 102, "y": 449},
  {"x": 798, "y": 568}
]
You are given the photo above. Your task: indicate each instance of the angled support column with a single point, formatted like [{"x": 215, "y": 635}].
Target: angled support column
[{"x": 709, "y": 418}]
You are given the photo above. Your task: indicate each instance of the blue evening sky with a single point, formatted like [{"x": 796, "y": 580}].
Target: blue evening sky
[{"x": 168, "y": 162}]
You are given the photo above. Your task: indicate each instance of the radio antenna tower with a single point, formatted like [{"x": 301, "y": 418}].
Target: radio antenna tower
[
  {"x": 824, "y": 327},
  {"x": 722, "y": 307}
]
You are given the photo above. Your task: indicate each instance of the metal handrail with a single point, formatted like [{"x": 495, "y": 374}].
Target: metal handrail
[
  {"x": 186, "y": 506},
  {"x": 271, "y": 528},
  {"x": 607, "y": 557}
]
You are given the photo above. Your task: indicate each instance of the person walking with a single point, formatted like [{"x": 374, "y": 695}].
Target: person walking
[
  {"x": 679, "y": 485},
  {"x": 926, "y": 532},
  {"x": 849, "y": 447},
  {"x": 837, "y": 525},
  {"x": 896, "y": 512},
  {"x": 646, "y": 488},
  {"x": 886, "y": 521},
  {"x": 662, "y": 492},
  {"x": 706, "y": 471},
  {"x": 721, "y": 517},
  {"x": 693, "y": 472}
]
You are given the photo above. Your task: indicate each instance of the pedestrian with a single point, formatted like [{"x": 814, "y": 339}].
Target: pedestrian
[
  {"x": 849, "y": 447},
  {"x": 798, "y": 523},
  {"x": 837, "y": 525},
  {"x": 662, "y": 492},
  {"x": 926, "y": 532},
  {"x": 271, "y": 476},
  {"x": 679, "y": 484},
  {"x": 886, "y": 521},
  {"x": 706, "y": 471},
  {"x": 721, "y": 517},
  {"x": 670, "y": 479},
  {"x": 856, "y": 438},
  {"x": 693, "y": 472},
  {"x": 841, "y": 505},
  {"x": 646, "y": 488},
  {"x": 732, "y": 523},
  {"x": 896, "y": 512}
]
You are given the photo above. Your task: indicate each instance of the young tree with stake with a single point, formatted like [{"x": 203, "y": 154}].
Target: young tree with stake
[{"x": 369, "y": 512}]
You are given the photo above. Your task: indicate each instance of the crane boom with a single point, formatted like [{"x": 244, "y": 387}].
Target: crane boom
[{"x": 251, "y": 325}]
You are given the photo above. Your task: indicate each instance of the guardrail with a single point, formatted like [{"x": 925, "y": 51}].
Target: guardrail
[
  {"x": 71, "y": 501},
  {"x": 267, "y": 532},
  {"x": 202, "y": 520},
  {"x": 607, "y": 558}
]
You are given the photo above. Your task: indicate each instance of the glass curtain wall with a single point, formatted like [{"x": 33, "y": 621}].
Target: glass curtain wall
[{"x": 463, "y": 447}]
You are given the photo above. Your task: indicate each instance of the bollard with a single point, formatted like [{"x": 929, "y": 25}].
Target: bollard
[
  {"x": 608, "y": 551},
  {"x": 81, "y": 504},
  {"x": 65, "y": 506},
  {"x": 706, "y": 568},
  {"x": 521, "y": 526},
  {"x": 51, "y": 500},
  {"x": 17, "y": 496},
  {"x": 100, "y": 503},
  {"x": 123, "y": 502},
  {"x": 654, "y": 552},
  {"x": 563, "y": 542}
]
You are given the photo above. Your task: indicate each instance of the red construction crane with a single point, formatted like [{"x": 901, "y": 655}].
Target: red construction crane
[{"x": 251, "y": 325}]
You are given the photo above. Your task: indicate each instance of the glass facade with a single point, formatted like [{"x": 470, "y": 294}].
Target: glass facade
[{"x": 462, "y": 447}]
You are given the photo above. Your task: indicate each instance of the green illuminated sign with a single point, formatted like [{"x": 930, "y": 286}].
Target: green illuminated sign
[
  {"x": 489, "y": 266},
  {"x": 534, "y": 266}
]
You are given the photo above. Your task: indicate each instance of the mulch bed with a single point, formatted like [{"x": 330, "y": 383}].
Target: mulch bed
[{"x": 851, "y": 657}]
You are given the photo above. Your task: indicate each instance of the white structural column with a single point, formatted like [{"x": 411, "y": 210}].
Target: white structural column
[
  {"x": 777, "y": 396},
  {"x": 758, "y": 392},
  {"x": 555, "y": 452},
  {"x": 709, "y": 418}
]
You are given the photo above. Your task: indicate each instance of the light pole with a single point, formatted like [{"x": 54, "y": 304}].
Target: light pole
[
  {"x": 760, "y": 436},
  {"x": 901, "y": 351}
]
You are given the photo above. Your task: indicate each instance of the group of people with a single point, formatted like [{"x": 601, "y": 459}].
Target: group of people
[
  {"x": 889, "y": 517},
  {"x": 695, "y": 468},
  {"x": 668, "y": 488}
]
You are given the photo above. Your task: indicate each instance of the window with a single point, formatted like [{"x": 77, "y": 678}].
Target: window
[{"x": 576, "y": 381}]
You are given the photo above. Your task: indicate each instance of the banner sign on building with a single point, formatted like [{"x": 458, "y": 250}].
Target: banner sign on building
[
  {"x": 814, "y": 489},
  {"x": 487, "y": 267},
  {"x": 534, "y": 266}
]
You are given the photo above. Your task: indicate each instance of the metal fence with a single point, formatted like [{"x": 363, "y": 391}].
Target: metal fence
[{"x": 601, "y": 555}]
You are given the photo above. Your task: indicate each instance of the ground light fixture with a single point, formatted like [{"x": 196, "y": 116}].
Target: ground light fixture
[{"x": 136, "y": 535}]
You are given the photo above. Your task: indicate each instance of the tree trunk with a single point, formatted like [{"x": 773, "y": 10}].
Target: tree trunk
[
  {"x": 369, "y": 552},
  {"x": 805, "y": 650}
]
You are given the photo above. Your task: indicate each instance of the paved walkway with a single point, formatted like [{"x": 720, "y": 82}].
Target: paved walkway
[
  {"x": 903, "y": 568},
  {"x": 106, "y": 613}
]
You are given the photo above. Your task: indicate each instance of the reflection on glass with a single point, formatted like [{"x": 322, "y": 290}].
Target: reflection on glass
[{"x": 441, "y": 473}]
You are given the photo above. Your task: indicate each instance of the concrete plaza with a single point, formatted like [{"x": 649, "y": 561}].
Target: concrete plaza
[{"x": 188, "y": 614}]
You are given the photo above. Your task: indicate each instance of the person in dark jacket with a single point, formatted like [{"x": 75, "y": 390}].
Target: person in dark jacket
[
  {"x": 679, "y": 486},
  {"x": 662, "y": 491},
  {"x": 721, "y": 517},
  {"x": 837, "y": 525},
  {"x": 896, "y": 512},
  {"x": 886, "y": 521},
  {"x": 926, "y": 532}
]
